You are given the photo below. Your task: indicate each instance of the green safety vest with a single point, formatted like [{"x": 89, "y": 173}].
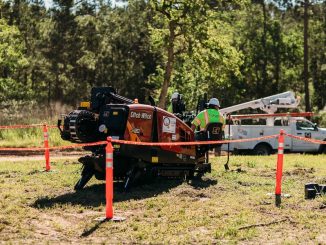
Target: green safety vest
[{"x": 208, "y": 116}]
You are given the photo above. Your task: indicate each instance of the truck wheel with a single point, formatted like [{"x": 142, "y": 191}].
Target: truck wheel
[
  {"x": 323, "y": 149},
  {"x": 262, "y": 150}
]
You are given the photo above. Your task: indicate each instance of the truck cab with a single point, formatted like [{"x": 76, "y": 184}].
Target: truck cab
[
  {"x": 298, "y": 126},
  {"x": 270, "y": 123},
  {"x": 304, "y": 128}
]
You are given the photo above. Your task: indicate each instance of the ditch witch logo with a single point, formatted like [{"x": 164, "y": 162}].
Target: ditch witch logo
[
  {"x": 216, "y": 130},
  {"x": 140, "y": 115}
]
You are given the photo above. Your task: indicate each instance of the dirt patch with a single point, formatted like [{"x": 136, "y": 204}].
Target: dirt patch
[
  {"x": 53, "y": 156},
  {"x": 193, "y": 193},
  {"x": 321, "y": 239},
  {"x": 265, "y": 173},
  {"x": 44, "y": 225},
  {"x": 300, "y": 172},
  {"x": 63, "y": 152},
  {"x": 56, "y": 226}
]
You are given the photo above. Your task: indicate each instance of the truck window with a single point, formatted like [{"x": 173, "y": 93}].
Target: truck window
[
  {"x": 278, "y": 122},
  {"x": 256, "y": 121},
  {"x": 305, "y": 125},
  {"x": 281, "y": 122}
]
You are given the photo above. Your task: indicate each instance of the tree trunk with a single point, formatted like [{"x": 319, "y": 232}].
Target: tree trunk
[
  {"x": 168, "y": 67},
  {"x": 305, "y": 58}
]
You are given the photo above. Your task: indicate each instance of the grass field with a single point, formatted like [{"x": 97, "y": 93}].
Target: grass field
[
  {"x": 30, "y": 137},
  {"x": 224, "y": 207}
]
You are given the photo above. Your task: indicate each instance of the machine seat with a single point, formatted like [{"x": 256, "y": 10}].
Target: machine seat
[{"x": 213, "y": 131}]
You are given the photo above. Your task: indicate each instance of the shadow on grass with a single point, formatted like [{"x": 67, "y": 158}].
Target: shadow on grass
[
  {"x": 201, "y": 184},
  {"x": 90, "y": 231},
  {"x": 91, "y": 196},
  {"x": 94, "y": 196}
]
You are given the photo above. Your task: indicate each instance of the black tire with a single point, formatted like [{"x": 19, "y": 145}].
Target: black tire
[
  {"x": 323, "y": 149},
  {"x": 86, "y": 126},
  {"x": 262, "y": 150}
]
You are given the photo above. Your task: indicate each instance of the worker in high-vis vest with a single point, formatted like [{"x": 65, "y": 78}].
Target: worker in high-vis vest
[{"x": 210, "y": 115}]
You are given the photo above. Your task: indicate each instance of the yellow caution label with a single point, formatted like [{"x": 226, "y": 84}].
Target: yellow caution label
[
  {"x": 115, "y": 113},
  {"x": 154, "y": 159},
  {"x": 85, "y": 104}
]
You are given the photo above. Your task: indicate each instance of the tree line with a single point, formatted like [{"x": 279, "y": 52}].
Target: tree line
[{"x": 235, "y": 50}]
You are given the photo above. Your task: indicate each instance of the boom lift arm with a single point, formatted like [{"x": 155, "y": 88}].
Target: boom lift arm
[{"x": 268, "y": 104}]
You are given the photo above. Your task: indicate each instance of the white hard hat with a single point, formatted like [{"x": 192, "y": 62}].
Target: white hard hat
[
  {"x": 214, "y": 101},
  {"x": 175, "y": 95}
]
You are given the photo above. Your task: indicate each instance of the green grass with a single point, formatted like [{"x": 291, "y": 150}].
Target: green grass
[
  {"x": 37, "y": 207},
  {"x": 29, "y": 137}
]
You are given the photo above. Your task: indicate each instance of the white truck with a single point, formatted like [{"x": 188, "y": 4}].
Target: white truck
[{"x": 270, "y": 124}]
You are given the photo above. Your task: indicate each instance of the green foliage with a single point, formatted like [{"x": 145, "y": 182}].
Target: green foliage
[
  {"x": 235, "y": 50},
  {"x": 318, "y": 54},
  {"x": 11, "y": 46},
  {"x": 176, "y": 26},
  {"x": 272, "y": 52},
  {"x": 196, "y": 45},
  {"x": 11, "y": 61},
  {"x": 212, "y": 64},
  {"x": 321, "y": 119}
]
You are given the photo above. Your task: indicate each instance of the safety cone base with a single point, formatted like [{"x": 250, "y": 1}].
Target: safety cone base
[
  {"x": 48, "y": 171},
  {"x": 282, "y": 195},
  {"x": 114, "y": 219}
]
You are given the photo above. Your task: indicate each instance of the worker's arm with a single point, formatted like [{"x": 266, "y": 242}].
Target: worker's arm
[
  {"x": 222, "y": 120},
  {"x": 195, "y": 123}
]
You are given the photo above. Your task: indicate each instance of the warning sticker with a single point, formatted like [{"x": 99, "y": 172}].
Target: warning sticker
[{"x": 169, "y": 125}]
